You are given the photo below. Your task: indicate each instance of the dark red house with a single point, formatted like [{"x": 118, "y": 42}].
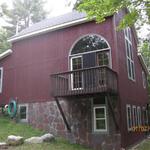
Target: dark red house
[{"x": 78, "y": 79}]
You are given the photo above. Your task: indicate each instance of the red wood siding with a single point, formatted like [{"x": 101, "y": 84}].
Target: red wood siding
[
  {"x": 130, "y": 92},
  {"x": 27, "y": 71}
]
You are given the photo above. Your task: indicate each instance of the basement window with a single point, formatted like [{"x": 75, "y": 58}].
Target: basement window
[
  {"x": 23, "y": 112},
  {"x": 100, "y": 115}
]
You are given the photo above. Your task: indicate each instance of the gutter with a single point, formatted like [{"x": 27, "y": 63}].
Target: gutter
[{"x": 49, "y": 29}]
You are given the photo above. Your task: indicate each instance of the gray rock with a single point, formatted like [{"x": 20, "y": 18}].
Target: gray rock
[
  {"x": 35, "y": 140},
  {"x": 48, "y": 137},
  {"x": 14, "y": 140},
  {"x": 3, "y": 145}
]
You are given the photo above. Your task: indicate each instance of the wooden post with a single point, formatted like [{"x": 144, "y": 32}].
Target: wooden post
[{"x": 63, "y": 115}]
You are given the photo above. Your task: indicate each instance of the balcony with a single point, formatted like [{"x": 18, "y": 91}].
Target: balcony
[{"x": 95, "y": 80}]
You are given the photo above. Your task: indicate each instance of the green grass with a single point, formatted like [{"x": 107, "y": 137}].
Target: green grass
[
  {"x": 144, "y": 145},
  {"x": 8, "y": 127}
]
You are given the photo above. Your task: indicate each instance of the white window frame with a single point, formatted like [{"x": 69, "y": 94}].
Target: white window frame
[
  {"x": 72, "y": 88},
  {"x": 139, "y": 116},
  {"x": 143, "y": 116},
  {"x": 129, "y": 126},
  {"x": 144, "y": 79},
  {"x": 146, "y": 116},
  {"x": 24, "y": 105},
  {"x": 1, "y": 79},
  {"x": 134, "y": 110},
  {"x": 105, "y": 118},
  {"x": 130, "y": 58}
]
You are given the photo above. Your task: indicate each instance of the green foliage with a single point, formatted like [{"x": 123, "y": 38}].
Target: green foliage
[
  {"x": 100, "y": 9},
  {"x": 4, "y": 45},
  {"x": 145, "y": 50},
  {"x": 8, "y": 127},
  {"x": 22, "y": 14}
]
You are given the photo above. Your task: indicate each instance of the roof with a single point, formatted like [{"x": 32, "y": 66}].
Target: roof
[{"x": 51, "y": 24}]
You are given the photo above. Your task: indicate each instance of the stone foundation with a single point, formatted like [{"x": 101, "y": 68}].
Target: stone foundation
[{"x": 79, "y": 116}]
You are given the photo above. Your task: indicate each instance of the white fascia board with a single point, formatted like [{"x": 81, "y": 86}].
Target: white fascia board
[
  {"x": 143, "y": 63},
  {"x": 5, "y": 54},
  {"x": 49, "y": 29}
]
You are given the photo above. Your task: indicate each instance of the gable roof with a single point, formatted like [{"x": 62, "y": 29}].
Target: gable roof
[{"x": 51, "y": 24}]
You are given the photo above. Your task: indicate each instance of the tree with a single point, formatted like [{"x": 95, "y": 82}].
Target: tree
[
  {"x": 23, "y": 13},
  {"x": 100, "y": 9},
  {"x": 4, "y": 45},
  {"x": 145, "y": 50}
]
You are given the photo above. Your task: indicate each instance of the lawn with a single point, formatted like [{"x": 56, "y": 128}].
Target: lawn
[
  {"x": 144, "y": 145},
  {"x": 8, "y": 127}
]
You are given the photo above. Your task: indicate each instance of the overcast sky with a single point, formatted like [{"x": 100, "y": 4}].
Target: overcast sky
[{"x": 54, "y": 7}]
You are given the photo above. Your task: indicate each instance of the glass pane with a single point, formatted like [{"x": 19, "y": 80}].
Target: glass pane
[
  {"x": 23, "y": 112},
  {"x": 100, "y": 113},
  {"x": 23, "y": 116},
  {"x": 129, "y": 68},
  {"x": 133, "y": 74},
  {"x": 127, "y": 46},
  {"x": 129, "y": 117},
  {"x": 100, "y": 124},
  {"x": 76, "y": 63},
  {"x": 89, "y": 43},
  {"x": 103, "y": 58}
]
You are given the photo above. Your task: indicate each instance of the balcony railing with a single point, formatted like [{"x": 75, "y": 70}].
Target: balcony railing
[{"x": 84, "y": 81}]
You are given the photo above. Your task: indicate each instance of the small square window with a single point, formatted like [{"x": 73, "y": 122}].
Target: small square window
[{"x": 23, "y": 112}]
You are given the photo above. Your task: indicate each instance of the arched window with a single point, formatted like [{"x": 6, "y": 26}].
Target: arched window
[
  {"x": 88, "y": 51},
  {"x": 89, "y": 43}
]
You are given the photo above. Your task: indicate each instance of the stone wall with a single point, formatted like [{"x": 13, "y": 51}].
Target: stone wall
[{"x": 79, "y": 116}]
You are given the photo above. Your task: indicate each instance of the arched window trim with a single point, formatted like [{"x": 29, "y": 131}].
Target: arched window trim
[
  {"x": 80, "y": 54},
  {"x": 109, "y": 48}
]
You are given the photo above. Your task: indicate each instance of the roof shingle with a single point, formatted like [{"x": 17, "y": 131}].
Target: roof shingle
[{"x": 51, "y": 22}]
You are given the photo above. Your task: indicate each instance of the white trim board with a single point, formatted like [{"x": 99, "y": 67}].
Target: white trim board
[{"x": 49, "y": 29}]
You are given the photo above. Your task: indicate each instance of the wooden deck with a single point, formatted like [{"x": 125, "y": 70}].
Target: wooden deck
[{"x": 81, "y": 82}]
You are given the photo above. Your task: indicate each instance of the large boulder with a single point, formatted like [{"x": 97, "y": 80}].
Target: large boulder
[
  {"x": 35, "y": 140},
  {"x": 14, "y": 140},
  {"x": 48, "y": 137},
  {"x": 3, "y": 145}
]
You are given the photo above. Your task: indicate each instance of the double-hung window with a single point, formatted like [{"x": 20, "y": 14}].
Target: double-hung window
[
  {"x": 129, "y": 54},
  {"x": 100, "y": 115}
]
